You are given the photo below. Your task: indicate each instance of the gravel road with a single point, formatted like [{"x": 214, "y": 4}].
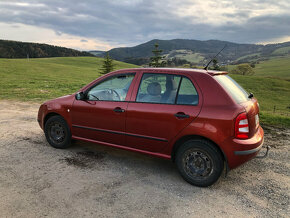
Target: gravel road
[{"x": 89, "y": 180}]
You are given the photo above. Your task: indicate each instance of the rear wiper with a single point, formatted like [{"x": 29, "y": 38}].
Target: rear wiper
[{"x": 251, "y": 95}]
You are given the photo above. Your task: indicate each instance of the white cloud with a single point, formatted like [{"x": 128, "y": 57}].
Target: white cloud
[
  {"x": 127, "y": 22},
  {"x": 28, "y": 33},
  {"x": 276, "y": 40},
  {"x": 225, "y": 11}
]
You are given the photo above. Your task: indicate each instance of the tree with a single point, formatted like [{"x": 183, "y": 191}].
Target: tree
[
  {"x": 108, "y": 65},
  {"x": 157, "y": 59},
  {"x": 215, "y": 64},
  {"x": 243, "y": 69}
]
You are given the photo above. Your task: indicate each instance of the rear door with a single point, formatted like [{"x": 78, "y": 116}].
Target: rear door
[{"x": 161, "y": 106}]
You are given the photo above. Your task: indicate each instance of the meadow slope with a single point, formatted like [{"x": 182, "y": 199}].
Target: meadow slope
[{"x": 46, "y": 78}]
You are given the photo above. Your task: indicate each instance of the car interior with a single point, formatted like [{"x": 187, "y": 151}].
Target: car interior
[{"x": 153, "y": 89}]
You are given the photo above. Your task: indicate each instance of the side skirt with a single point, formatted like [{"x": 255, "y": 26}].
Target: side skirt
[{"x": 165, "y": 156}]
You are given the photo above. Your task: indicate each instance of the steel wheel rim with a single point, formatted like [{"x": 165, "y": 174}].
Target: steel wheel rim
[
  {"x": 56, "y": 132},
  {"x": 197, "y": 164}
]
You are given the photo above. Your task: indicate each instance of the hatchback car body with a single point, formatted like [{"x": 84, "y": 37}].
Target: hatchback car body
[{"x": 203, "y": 120}]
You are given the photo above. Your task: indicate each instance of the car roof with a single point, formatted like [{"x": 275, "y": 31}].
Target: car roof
[{"x": 163, "y": 70}]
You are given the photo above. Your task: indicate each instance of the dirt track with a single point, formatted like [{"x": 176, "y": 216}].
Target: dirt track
[{"x": 88, "y": 180}]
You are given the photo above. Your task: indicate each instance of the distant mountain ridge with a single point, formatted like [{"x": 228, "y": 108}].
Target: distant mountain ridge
[
  {"x": 16, "y": 49},
  {"x": 199, "y": 52},
  {"x": 97, "y": 52}
]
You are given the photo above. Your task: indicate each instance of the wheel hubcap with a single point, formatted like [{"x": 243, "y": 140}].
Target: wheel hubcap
[
  {"x": 197, "y": 164},
  {"x": 57, "y": 133}
]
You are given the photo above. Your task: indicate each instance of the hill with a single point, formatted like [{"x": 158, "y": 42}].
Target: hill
[
  {"x": 97, "y": 52},
  {"x": 15, "y": 49},
  {"x": 199, "y": 52},
  {"x": 41, "y": 79},
  {"x": 276, "y": 68},
  {"x": 273, "y": 68}
]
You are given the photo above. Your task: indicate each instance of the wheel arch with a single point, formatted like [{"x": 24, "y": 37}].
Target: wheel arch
[
  {"x": 185, "y": 138},
  {"x": 49, "y": 115}
]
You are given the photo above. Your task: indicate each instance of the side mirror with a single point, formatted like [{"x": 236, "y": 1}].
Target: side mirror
[{"x": 80, "y": 96}]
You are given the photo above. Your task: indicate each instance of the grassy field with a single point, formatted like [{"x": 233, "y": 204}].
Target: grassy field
[
  {"x": 38, "y": 80},
  {"x": 276, "y": 68},
  {"x": 46, "y": 78},
  {"x": 282, "y": 51}
]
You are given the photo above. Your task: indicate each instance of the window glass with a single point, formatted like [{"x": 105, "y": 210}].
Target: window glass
[
  {"x": 113, "y": 89},
  {"x": 187, "y": 93},
  {"x": 233, "y": 88},
  {"x": 158, "y": 88}
]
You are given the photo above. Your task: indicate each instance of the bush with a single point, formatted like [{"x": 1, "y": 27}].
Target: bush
[{"x": 243, "y": 69}]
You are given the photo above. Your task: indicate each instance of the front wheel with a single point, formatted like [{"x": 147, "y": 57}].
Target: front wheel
[
  {"x": 57, "y": 132},
  {"x": 199, "y": 162}
]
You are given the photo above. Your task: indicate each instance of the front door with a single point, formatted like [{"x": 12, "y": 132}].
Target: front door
[
  {"x": 101, "y": 117},
  {"x": 165, "y": 104}
]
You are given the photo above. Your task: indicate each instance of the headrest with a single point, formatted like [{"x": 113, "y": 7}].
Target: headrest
[
  {"x": 171, "y": 85},
  {"x": 154, "y": 88}
]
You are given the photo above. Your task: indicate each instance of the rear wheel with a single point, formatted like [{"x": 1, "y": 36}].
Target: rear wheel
[
  {"x": 199, "y": 162},
  {"x": 57, "y": 132}
]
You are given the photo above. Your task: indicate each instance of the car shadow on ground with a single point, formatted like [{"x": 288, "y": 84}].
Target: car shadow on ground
[{"x": 94, "y": 157}]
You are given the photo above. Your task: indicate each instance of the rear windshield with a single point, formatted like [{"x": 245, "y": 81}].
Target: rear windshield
[{"x": 233, "y": 88}]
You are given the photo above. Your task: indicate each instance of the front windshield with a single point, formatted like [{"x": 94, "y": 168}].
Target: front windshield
[{"x": 112, "y": 89}]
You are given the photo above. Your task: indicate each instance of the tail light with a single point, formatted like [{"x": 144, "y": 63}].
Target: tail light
[{"x": 242, "y": 126}]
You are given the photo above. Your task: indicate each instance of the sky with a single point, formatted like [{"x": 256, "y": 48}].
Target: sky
[{"x": 105, "y": 24}]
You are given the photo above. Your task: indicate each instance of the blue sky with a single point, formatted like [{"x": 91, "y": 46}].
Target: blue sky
[{"x": 101, "y": 25}]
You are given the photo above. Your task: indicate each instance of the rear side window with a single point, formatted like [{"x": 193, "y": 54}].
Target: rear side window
[
  {"x": 233, "y": 88},
  {"x": 166, "y": 89},
  {"x": 158, "y": 88},
  {"x": 187, "y": 93}
]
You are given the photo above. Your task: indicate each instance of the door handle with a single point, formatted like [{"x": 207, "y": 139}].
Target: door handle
[
  {"x": 181, "y": 115},
  {"x": 119, "y": 110}
]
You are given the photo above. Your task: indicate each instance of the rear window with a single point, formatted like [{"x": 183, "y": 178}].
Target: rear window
[{"x": 233, "y": 88}]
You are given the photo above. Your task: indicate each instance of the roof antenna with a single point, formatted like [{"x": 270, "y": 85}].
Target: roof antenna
[{"x": 214, "y": 57}]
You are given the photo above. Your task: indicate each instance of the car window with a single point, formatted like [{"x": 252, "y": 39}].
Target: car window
[
  {"x": 187, "y": 93},
  {"x": 114, "y": 88},
  {"x": 158, "y": 88},
  {"x": 233, "y": 88}
]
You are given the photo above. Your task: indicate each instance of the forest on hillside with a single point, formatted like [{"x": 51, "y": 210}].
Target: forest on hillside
[{"x": 14, "y": 49}]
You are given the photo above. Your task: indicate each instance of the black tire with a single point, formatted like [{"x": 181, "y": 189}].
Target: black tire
[
  {"x": 57, "y": 132},
  {"x": 199, "y": 162}
]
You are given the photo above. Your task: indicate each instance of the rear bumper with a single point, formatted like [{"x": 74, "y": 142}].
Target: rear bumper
[
  {"x": 247, "y": 152},
  {"x": 240, "y": 151}
]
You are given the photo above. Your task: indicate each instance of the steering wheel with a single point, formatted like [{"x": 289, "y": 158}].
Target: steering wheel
[
  {"x": 94, "y": 96},
  {"x": 116, "y": 93}
]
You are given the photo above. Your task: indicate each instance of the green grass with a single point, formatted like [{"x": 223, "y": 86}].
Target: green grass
[
  {"x": 187, "y": 55},
  {"x": 248, "y": 56},
  {"x": 46, "y": 78},
  {"x": 191, "y": 57},
  {"x": 282, "y": 51},
  {"x": 277, "y": 68}
]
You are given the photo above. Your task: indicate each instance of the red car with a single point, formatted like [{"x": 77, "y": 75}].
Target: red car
[{"x": 202, "y": 120}]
